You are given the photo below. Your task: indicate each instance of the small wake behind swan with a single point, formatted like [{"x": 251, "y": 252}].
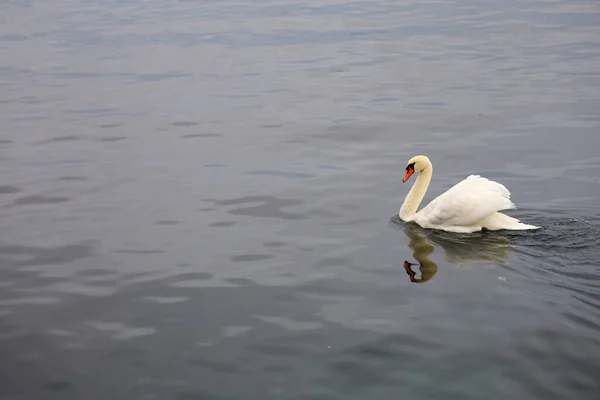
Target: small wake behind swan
[{"x": 469, "y": 206}]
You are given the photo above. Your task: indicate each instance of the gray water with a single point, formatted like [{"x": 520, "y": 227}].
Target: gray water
[{"x": 197, "y": 199}]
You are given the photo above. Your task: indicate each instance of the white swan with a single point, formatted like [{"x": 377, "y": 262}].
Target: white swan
[{"x": 469, "y": 206}]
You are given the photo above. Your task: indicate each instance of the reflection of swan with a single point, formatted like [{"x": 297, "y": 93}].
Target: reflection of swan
[
  {"x": 421, "y": 251},
  {"x": 458, "y": 250},
  {"x": 469, "y": 206}
]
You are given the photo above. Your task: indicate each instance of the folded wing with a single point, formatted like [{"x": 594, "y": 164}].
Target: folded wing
[{"x": 466, "y": 203}]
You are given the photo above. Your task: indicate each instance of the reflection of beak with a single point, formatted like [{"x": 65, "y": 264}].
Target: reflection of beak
[
  {"x": 409, "y": 271},
  {"x": 409, "y": 172}
]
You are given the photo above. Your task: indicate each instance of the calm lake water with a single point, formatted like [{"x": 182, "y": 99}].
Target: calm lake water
[{"x": 197, "y": 199}]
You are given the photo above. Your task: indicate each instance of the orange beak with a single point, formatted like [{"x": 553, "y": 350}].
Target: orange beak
[{"x": 409, "y": 172}]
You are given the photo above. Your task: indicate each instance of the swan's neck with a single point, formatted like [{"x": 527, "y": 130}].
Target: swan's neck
[{"x": 416, "y": 194}]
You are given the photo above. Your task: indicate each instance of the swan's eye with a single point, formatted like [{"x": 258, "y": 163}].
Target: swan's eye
[{"x": 410, "y": 166}]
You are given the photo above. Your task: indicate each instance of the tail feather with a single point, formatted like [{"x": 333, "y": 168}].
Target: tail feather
[{"x": 499, "y": 221}]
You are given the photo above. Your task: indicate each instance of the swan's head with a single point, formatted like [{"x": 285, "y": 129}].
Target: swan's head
[{"x": 416, "y": 164}]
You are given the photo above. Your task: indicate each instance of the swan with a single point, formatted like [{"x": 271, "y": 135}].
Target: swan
[{"x": 469, "y": 206}]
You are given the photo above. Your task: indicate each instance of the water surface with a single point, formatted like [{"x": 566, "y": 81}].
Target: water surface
[{"x": 198, "y": 199}]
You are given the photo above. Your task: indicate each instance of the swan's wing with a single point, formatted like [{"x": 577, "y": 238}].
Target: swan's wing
[{"x": 467, "y": 202}]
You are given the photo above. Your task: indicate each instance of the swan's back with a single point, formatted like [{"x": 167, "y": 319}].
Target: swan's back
[{"x": 466, "y": 203}]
